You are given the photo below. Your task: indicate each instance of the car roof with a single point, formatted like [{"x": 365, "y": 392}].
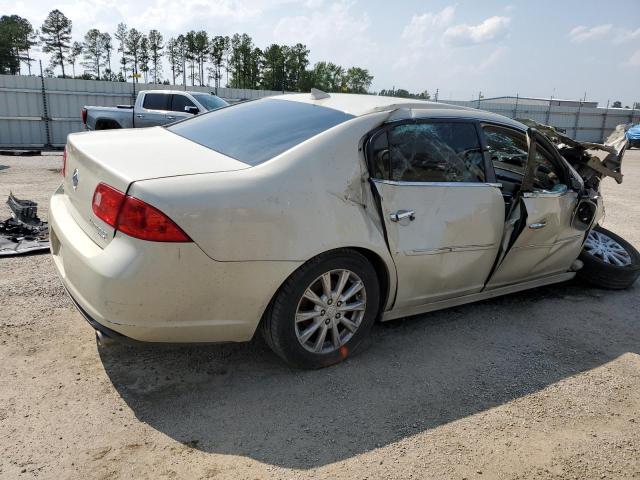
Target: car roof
[{"x": 358, "y": 105}]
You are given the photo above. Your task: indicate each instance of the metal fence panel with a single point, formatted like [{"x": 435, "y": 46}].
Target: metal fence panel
[{"x": 23, "y": 123}]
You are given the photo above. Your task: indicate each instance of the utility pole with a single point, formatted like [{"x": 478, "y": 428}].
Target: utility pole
[
  {"x": 577, "y": 124},
  {"x": 479, "y": 97},
  {"x": 45, "y": 109},
  {"x": 436, "y": 97},
  {"x": 515, "y": 110},
  {"x": 604, "y": 120}
]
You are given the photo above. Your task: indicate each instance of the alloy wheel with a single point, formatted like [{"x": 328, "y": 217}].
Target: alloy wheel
[
  {"x": 606, "y": 249},
  {"x": 330, "y": 311}
]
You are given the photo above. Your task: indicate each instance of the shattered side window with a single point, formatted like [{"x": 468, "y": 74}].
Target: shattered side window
[
  {"x": 509, "y": 154},
  {"x": 379, "y": 153},
  {"x": 436, "y": 152},
  {"x": 546, "y": 175},
  {"x": 507, "y": 148}
]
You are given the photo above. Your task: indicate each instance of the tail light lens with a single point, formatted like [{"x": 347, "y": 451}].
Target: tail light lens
[
  {"x": 83, "y": 114},
  {"x": 64, "y": 162},
  {"x": 106, "y": 203},
  {"x": 134, "y": 217}
]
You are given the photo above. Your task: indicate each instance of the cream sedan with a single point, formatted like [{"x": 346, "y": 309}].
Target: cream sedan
[{"x": 310, "y": 216}]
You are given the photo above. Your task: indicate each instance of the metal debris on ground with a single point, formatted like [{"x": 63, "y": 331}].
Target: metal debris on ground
[{"x": 24, "y": 232}]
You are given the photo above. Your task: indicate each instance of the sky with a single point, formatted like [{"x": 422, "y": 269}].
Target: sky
[{"x": 531, "y": 48}]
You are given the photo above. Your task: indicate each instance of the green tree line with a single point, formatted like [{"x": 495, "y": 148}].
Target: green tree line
[{"x": 195, "y": 58}]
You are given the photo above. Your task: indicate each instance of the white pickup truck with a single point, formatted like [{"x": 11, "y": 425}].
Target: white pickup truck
[{"x": 152, "y": 107}]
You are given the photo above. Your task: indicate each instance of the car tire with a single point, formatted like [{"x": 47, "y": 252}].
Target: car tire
[
  {"x": 609, "y": 260},
  {"x": 337, "y": 329}
]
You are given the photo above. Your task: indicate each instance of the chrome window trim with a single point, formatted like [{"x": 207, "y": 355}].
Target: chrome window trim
[
  {"x": 545, "y": 194},
  {"x": 400, "y": 183}
]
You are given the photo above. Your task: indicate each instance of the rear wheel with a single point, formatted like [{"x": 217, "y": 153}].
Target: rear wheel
[
  {"x": 324, "y": 311},
  {"x": 609, "y": 260}
]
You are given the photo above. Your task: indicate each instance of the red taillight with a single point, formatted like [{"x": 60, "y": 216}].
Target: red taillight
[
  {"x": 141, "y": 220},
  {"x": 83, "y": 113},
  {"x": 64, "y": 162},
  {"x": 134, "y": 217},
  {"x": 106, "y": 203}
]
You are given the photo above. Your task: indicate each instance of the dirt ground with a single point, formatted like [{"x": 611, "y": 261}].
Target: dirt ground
[{"x": 540, "y": 384}]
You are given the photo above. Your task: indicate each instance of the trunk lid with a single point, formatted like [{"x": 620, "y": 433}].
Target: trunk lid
[{"x": 121, "y": 157}]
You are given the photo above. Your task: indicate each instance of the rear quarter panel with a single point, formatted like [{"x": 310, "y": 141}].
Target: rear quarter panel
[
  {"x": 309, "y": 200},
  {"x": 124, "y": 117}
]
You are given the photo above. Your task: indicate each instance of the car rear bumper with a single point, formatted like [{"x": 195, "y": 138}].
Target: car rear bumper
[{"x": 159, "y": 292}]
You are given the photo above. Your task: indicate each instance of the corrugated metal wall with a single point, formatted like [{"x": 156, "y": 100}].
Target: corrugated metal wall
[
  {"x": 22, "y": 105},
  {"x": 584, "y": 124},
  {"x": 23, "y": 124}
]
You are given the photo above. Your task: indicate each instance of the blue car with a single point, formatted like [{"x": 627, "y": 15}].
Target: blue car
[{"x": 633, "y": 135}]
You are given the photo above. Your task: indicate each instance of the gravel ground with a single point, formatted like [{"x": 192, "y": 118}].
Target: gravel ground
[{"x": 540, "y": 384}]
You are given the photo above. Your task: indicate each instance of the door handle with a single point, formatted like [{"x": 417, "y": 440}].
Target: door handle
[
  {"x": 402, "y": 214},
  {"x": 170, "y": 117},
  {"x": 140, "y": 115},
  {"x": 538, "y": 226}
]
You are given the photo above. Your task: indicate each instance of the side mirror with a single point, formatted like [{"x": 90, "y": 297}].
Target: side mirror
[{"x": 192, "y": 110}]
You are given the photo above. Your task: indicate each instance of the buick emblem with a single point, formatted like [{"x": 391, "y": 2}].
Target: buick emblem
[{"x": 74, "y": 179}]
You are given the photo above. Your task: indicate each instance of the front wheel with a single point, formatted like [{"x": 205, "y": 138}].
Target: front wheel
[
  {"x": 324, "y": 311},
  {"x": 609, "y": 260}
]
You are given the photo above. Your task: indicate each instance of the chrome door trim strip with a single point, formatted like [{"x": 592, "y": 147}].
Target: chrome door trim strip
[
  {"x": 400, "y": 183},
  {"x": 436, "y": 251}
]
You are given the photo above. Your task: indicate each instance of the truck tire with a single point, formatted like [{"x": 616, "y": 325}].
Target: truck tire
[{"x": 609, "y": 260}]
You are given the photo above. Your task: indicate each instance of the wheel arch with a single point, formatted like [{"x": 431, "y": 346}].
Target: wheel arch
[
  {"x": 106, "y": 124},
  {"x": 381, "y": 268}
]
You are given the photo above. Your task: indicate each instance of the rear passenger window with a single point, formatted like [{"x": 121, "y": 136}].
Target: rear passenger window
[
  {"x": 179, "y": 102},
  {"x": 156, "y": 101},
  {"x": 435, "y": 152}
]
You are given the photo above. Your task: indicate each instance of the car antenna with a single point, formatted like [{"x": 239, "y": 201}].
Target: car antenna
[{"x": 318, "y": 94}]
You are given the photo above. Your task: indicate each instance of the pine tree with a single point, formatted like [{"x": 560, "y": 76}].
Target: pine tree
[
  {"x": 56, "y": 38},
  {"x": 144, "y": 57},
  {"x": 93, "y": 52},
  {"x": 107, "y": 47},
  {"x": 156, "y": 46},
  {"x": 132, "y": 43},
  {"x": 172, "y": 51},
  {"x": 75, "y": 52},
  {"x": 121, "y": 36},
  {"x": 217, "y": 50}
]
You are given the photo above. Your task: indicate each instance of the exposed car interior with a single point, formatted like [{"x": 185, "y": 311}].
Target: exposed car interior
[{"x": 508, "y": 152}]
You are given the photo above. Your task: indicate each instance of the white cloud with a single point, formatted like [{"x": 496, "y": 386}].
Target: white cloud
[
  {"x": 634, "y": 60},
  {"x": 626, "y": 35},
  {"x": 492, "y": 29},
  {"x": 422, "y": 29},
  {"x": 582, "y": 34},
  {"x": 332, "y": 32}
]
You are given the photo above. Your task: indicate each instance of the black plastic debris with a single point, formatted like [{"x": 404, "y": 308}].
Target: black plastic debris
[{"x": 24, "y": 232}]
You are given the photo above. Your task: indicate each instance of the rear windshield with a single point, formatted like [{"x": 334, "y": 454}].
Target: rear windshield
[{"x": 254, "y": 132}]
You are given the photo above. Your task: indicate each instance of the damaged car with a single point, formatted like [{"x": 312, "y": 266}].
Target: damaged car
[{"x": 309, "y": 216}]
